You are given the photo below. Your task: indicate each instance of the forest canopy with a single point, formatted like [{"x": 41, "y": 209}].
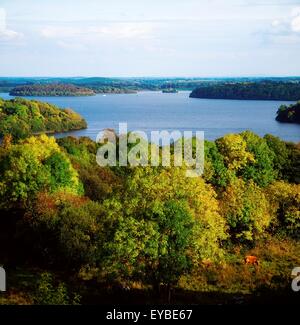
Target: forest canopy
[
  {"x": 21, "y": 117},
  {"x": 52, "y": 89},
  {"x": 250, "y": 91},
  {"x": 96, "y": 228}
]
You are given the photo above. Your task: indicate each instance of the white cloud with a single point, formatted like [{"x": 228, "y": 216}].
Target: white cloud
[
  {"x": 108, "y": 31},
  {"x": 288, "y": 27},
  {"x": 275, "y": 23},
  {"x": 295, "y": 11},
  {"x": 295, "y": 24},
  {"x": 72, "y": 46},
  {"x": 126, "y": 31},
  {"x": 59, "y": 32},
  {"x": 5, "y": 33}
]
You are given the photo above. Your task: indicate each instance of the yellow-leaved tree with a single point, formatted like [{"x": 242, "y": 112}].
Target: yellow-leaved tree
[
  {"x": 246, "y": 209},
  {"x": 234, "y": 150},
  {"x": 285, "y": 203},
  {"x": 33, "y": 165}
]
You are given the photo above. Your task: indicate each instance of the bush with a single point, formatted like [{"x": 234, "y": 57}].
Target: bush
[{"x": 47, "y": 293}]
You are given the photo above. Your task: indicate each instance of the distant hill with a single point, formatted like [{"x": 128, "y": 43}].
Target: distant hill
[
  {"x": 53, "y": 89},
  {"x": 289, "y": 114},
  {"x": 21, "y": 118},
  {"x": 250, "y": 91},
  {"x": 125, "y": 85}
]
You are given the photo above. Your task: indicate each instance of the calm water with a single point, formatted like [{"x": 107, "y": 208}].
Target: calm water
[{"x": 148, "y": 111}]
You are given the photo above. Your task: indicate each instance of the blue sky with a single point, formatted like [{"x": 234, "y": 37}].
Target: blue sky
[{"x": 149, "y": 38}]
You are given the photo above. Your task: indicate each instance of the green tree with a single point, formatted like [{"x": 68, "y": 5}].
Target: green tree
[
  {"x": 215, "y": 171},
  {"x": 154, "y": 249},
  {"x": 147, "y": 190},
  {"x": 176, "y": 229},
  {"x": 285, "y": 203},
  {"x": 280, "y": 155},
  {"x": 246, "y": 209},
  {"x": 293, "y": 170},
  {"x": 34, "y": 165},
  {"x": 261, "y": 168},
  {"x": 66, "y": 228}
]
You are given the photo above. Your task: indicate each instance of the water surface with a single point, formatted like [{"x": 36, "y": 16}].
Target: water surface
[{"x": 146, "y": 111}]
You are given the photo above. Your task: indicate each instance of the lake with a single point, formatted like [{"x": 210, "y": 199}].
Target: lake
[{"x": 146, "y": 111}]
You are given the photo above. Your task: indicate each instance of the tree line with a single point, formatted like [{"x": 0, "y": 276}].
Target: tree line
[
  {"x": 250, "y": 91},
  {"x": 51, "y": 89}
]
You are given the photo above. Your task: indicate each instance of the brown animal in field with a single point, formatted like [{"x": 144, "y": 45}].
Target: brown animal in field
[{"x": 250, "y": 259}]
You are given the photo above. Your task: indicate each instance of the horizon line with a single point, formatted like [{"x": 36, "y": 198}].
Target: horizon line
[{"x": 158, "y": 77}]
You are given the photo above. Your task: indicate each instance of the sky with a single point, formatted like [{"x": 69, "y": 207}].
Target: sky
[{"x": 158, "y": 38}]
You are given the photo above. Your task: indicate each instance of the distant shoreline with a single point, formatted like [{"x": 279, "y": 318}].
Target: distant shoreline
[{"x": 151, "y": 91}]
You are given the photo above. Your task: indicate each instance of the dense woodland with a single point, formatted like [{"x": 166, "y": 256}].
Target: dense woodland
[
  {"x": 289, "y": 114},
  {"x": 250, "y": 91},
  {"x": 130, "y": 85},
  {"x": 20, "y": 118},
  {"x": 78, "y": 233},
  {"x": 52, "y": 89},
  {"x": 113, "y": 90}
]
